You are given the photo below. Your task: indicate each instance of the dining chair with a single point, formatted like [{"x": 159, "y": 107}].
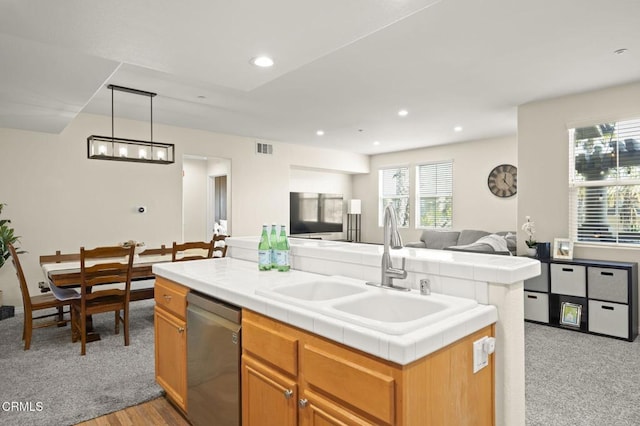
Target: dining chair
[
  {"x": 36, "y": 303},
  {"x": 102, "y": 265},
  {"x": 219, "y": 245},
  {"x": 192, "y": 250}
]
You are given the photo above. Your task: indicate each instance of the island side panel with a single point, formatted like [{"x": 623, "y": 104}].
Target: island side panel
[{"x": 509, "y": 355}]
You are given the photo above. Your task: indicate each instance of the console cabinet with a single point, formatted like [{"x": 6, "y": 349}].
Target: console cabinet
[{"x": 591, "y": 296}]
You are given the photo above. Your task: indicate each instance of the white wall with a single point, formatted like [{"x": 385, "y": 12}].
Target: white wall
[
  {"x": 543, "y": 157},
  {"x": 194, "y": 199},
  {"x": 474, "y": 206},
  {"x": 59, "y": 200}
]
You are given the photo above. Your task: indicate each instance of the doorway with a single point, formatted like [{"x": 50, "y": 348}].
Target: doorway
[{"x": 203, "y": 203}]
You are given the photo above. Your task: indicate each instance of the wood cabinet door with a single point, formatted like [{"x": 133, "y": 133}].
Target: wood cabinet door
[
  {"x": 268, "y": 398},
  {"x": 171, "y": 356}
]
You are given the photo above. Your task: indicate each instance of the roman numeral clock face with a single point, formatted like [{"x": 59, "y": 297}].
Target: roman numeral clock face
[{"x": 503, "y": 180}]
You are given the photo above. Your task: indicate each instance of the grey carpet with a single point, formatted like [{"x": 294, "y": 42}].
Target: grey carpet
[
  {"x": 72, "y": 388},
  {"x": 580, "y": 379},
  {"x": 571, "y": 378}
]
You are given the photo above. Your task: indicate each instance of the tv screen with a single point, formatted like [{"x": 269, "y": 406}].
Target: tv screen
[{"x": 312, "y": 212}]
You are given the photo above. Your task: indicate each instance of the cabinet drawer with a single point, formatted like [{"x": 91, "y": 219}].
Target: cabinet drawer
[
  {"x": 171, "y": 296},
  {"x": 349, "y": 381},
  {"x": 609, "y": 318},
  {"x": 541, "y": 282},
  {"x": 271, "y": 344},
  {"x": 536, "y": 306},
  {"x": 608, "y": 284},
  {"x": 568, "y": 279}
]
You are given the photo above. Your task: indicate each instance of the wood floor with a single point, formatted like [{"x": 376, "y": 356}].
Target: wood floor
[{"x": 155, "y": 412}]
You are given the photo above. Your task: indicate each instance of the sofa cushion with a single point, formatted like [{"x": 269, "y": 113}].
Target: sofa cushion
[
  {"x": 440, "y": 239},
  {"x": 468, "y": 236}
]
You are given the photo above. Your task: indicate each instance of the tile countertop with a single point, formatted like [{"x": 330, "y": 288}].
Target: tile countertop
[
  {"x": 235, "y": 282},
  {"x": 492, "y": 268}
]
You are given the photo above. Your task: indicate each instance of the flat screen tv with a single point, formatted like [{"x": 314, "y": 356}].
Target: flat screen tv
[{"x": 312, "y": 212}]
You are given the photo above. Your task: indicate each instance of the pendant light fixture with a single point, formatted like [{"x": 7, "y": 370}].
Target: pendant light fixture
[{"x": 121, "y": 149}]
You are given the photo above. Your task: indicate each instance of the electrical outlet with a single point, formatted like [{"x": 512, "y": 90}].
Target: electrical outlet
[{"x": 482, "y": 348}]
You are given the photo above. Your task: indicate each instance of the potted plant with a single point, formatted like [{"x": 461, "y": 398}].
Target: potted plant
[
  {"x": 6, "y": 237},
  {"x": 529, "y": 228}
]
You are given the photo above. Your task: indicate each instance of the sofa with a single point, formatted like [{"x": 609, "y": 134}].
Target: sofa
[{"x": 468, "y": 240}]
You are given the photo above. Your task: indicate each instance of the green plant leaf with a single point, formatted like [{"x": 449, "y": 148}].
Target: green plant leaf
[{"x": 7, "y": 237}]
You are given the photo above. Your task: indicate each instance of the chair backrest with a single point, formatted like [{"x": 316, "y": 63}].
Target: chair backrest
[
  {"x": 105, "y": 265},
  {"x": 59, "y": 257},
  {"x": 219, "y": 247},
  {"x": 24, "y": 288},
  {"x": 156, "y": 251},
  {"x": 194, "y": 245}
]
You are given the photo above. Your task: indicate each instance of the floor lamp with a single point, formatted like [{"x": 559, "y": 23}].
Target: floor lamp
[{"x": 353, "y": 220}]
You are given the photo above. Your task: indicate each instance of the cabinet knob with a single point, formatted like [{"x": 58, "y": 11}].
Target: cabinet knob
[
  {"x": 181, "y": 330},
  {"x": 167, "y": 297},
  {"x": 288, "y": 394},
  {"x": 303, "y": 403}
]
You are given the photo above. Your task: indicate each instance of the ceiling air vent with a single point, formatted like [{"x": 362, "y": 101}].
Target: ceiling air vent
[{"x": 264, "y": 148}]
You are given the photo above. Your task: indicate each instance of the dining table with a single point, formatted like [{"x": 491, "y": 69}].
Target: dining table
[{"x": 65, "y": 274}]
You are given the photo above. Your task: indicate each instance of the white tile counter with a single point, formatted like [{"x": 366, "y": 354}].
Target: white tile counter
[{"x": 235, "y": 281}]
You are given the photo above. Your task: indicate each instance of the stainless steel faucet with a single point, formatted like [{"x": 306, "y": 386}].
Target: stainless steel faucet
[{"x": 393, "y": 240}]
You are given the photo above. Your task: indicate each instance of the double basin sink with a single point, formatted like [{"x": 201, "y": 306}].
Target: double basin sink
[{"x": 384, "y": 310}]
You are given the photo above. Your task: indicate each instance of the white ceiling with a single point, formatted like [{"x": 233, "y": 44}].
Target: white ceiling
[{"x": 343, "y": 66}]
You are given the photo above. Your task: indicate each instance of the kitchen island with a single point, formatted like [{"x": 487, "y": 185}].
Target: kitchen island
[
  {"x": 349, "y": 372},
  {"x": 489, "y": 279},
  {"x": 236, "y": 281}
]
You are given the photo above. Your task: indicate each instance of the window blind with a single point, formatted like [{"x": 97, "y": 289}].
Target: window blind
[
  {"x": 394, "y": 188},
  {"x": 434, "y": 195},
  {"x": 604, "y": 183}
]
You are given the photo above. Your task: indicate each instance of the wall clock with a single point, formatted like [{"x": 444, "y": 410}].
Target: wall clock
[{"x": 503, "y": 180}]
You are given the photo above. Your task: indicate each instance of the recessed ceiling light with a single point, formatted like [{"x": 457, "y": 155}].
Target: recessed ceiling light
[
  {"x": 403, "y": 113},
  {"x": 262, "y": 61},
  {"x": 376, "y": 143},
  {"x": 620, "y": 51},
  {"x": 457, "y": 129},
  {"x": 320, "y": 132}
]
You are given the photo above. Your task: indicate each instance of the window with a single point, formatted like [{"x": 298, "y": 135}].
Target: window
[
  {"x": 394, "y": 188},
  {"x": 434, "y": 195},
  {"x": 604, "y": 183}
]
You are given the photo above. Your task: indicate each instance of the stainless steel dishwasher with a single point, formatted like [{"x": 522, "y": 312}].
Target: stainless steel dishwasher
[{"x": 213, "y": 361}]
